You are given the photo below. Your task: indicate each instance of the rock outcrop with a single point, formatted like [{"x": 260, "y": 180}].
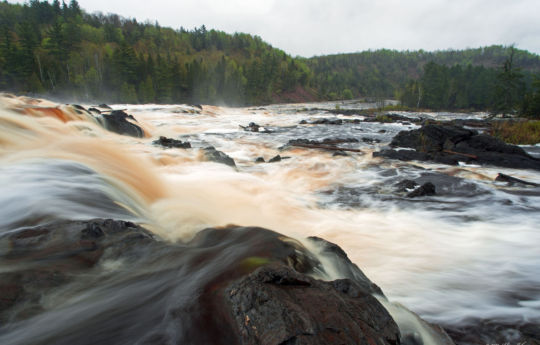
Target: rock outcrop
[
  {"x": 117, "y": 121},
  {"x": 233, "y": 285},
  {"x": 450, "y": 144},
  {"x": 217, "y": 156},
  {"x": 172, "y": 143}
]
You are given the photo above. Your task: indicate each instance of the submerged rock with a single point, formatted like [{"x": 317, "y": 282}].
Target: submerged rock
[
  {"x": 117, "y": 121},
  {"x": 259, "y": 160},
  {"x": 172, "y": 143},
  {"x": 214, "y": 155},
  {"x": 450, "y": 144},
  {"x": 53, "y": 255}
]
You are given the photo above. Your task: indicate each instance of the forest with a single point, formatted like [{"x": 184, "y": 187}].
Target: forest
[{"x": 61, "y": 51}]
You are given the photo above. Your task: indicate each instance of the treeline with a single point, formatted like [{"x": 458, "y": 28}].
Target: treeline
[
  {"x": 59, "y": 49},
  {"x": 384, "y": 72},
  {"x": 507, "y": 89}
]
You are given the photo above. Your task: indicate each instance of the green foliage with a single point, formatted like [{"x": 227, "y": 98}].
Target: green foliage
[
  {"x": 382, "y": 72},
  {"x": 59, "y": 49},
  {"x": 509, "y": 87},
  {"x": 531, "y": 101}
]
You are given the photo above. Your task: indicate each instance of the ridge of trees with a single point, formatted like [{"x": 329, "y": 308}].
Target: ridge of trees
[
  {"x": 58, "y": 49},
  {"x": 381, "y": 73},
  {"x": 507, "y": 89}
]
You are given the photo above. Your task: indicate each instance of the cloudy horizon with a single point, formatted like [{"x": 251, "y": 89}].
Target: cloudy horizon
[{"x": 312, "y": 27}]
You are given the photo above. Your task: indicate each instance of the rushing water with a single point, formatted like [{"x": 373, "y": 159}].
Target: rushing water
[{"x": 470, "y": 252}]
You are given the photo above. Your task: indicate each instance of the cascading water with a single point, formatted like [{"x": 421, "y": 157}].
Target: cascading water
[{"x": 468, "y": 253}]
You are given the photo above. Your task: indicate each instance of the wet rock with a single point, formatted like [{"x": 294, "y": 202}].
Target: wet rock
[
  {"x": 232, "y": 285},
  {"x": 214, "y": 155},
  {"x": 275, "y": 159},
  {"x": 482, "y": 332},
  {"x": 52, "y": 256},
  {"x": 104, "y": 106},
  {"x": 340, "y": 153},
  {"x": 450, "y": 144},
  {"x": 512, "y": 180},
  {"x": 371, "y": 140},
  {"x": 117, "y": 121},
  {"x": 197, "y": 106},
  {"x": 79, "y": 109},
  {"x": 303, "y": 122},
  {"x": 327, "y": 141},
  {"x": 259, "y": 160},
  {"x": 94, "y": 110},
  {"x": 327, "y": 122},
  {"x": 406, "y": 186},
  {"x": 172, "y": 143},
  {"x": 432, "y": 138},
  {"x": 251, "y": 127},
  {"x": 390, "y": 118},
  {"x": 427, "y": 189},
  {"x": 382, "y": 131},
  {"x": 276, "y": 305}
]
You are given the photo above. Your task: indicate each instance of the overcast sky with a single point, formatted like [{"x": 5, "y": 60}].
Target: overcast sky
[{"x": 317, "y": 27}]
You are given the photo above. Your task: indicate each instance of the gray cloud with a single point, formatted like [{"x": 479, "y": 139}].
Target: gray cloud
[{"x": 316, "y": 27}]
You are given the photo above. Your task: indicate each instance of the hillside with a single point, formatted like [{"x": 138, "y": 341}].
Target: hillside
[
  {"x": 61, "y": 51},
  {"x": 383, "y": 72}
]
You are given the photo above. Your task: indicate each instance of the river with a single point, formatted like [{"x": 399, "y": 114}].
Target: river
[{"x": 468, "y": 253}]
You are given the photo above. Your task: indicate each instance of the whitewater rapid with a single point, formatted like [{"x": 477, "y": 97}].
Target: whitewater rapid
[{"x": 469, "y": 253}]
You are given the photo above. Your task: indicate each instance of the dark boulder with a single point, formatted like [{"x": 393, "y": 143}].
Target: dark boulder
[
  {"x": 251, "y": 127},
  {"x": 277, "y": 305},
  {"x": 259, "y": 160},
  {"x": 512, "y": 180},
  {"x": 406, "y": 186},
  {"x": 326, "y": 141},
  {"x": 172, "y": 143},
  {"x": 94, "y": 110},
  {"x": 51, "y": 256},
  {"x": 448, "y": 144},
  {"x": 327, "y": 122},
  {"x": 275, "y": 159},
  {"x": 371, "y": 140},
  {"x": 79, "y": 108},
  {"x": 432, "y": 138},
  {"x": 104, "y": 106},
  {"x": 214, "y": 155},
  {"x": 117, "y": 121},
  {"x": 390, "y": 118},
  {"x": 340, "y": 153},
  {"x": 427, "y": 189},
  {"x": 232, "y": 285}
]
